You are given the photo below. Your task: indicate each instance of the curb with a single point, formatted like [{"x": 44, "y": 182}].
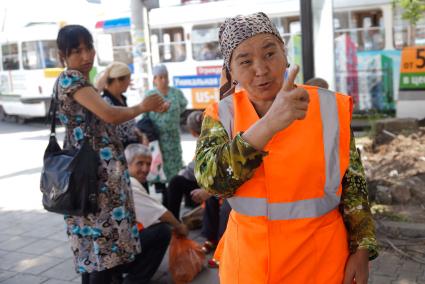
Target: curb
[{"x": 410, "y": 230}]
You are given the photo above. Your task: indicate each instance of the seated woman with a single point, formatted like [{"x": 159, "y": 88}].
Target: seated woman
[
  {"x": 185, "y": 182},
  {"x": 152, "y": 217}
]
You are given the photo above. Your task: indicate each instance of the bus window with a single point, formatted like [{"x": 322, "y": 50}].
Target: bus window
[
  {"x": 168, "y": 44},
  {"x": 50, "y": 54},
  {"x": 10, "y": 57},
  {"x": 31, "y": 58},
  {"x": 39, "y": 55},
  {"x": 204, "y": 42},
  {"x": 401, "y": 30},
  {"x": 122, "y": 47},
  {"x": 104, "y": 49},
  {"x": 287, "y": 27},
  {"x": 365, "y": 28}
]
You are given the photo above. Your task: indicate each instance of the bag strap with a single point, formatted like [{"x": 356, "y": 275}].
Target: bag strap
[{"x": 53, "y": 109}]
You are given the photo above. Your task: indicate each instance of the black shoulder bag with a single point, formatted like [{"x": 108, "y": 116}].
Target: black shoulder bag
[
  {"x": 69, "y": 180},
  {"x": 147, "y": 126}
]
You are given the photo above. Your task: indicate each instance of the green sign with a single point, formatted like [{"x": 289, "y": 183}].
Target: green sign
[{"x": 412, "y": 81}]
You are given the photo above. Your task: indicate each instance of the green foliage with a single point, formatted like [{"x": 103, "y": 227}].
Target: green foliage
[
  {"x": 413, "y": 10},
  {"x": 385, "y": 212}
]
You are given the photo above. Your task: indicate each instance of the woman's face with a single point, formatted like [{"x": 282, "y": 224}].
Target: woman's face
[
  {"x": 81, "y": 58},
  {"x": 121, "y": 83},
  {"x": 258, "y": 64},
  {"x": 161, "y": 81}
]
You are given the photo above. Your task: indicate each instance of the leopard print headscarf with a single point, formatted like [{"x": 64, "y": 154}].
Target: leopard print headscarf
[{"x": 235, "y": 30}]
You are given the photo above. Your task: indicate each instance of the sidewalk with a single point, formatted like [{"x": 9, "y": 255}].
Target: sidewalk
[{"x": 34, "y": 249}]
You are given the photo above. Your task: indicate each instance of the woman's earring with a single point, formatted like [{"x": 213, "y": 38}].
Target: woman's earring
[{"x": 234, "y": 82}]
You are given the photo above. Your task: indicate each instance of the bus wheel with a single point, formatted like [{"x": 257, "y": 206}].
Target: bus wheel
[
  {"x": 2, "y": 114},
  {"x": 20, "y": 120}
]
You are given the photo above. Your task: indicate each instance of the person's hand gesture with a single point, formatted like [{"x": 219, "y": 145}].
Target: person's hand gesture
[
  {"x": 199, "y": 195},
  {"x": 291, "y": 103},
  {"x": 143, "y": 139},
  {"x": 154, "y": 103},
  {"x": 357, "y": 268},
  {"x": 181, "y": 230}
]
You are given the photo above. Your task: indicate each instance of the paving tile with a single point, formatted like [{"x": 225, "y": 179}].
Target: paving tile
[
  {"x": 25, "y": 279},
  {"x": 377, "y": 279},
  {"x": 16, "y": 242},
  {"x": 36, "y": 264},
  {"x": 404, "y": 281},
  {"x": 207, "y": 276},
  {"x": 5, "y": 237},
  {"x": 56, "y": 281},
  {"x": 13, "y": 258},
  {"x": 389, "y": 259},
  {"x": 3, "y": 253},
  {"x": 64, "y": 271},
  {"x": 410, "y": 266},
  {"x": 59, "y": 235},
  {"x": 13, "y": 229},
  {"x": 62, "y": 251},
  {"x": 41, "y": 246},
  {"x": 4, "y": 275}
]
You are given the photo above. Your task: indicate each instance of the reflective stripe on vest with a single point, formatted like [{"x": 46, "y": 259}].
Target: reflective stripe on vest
[{"x": 308, "y": 208}]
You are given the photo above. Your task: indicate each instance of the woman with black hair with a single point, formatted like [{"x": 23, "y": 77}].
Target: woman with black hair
[{"x": 107, "y": 241}]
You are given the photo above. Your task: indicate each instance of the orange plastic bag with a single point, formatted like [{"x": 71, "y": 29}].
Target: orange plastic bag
[{"x": 186, "y": 259}]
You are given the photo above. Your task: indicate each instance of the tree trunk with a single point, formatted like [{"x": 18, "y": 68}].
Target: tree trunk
[{"x": 411, "y": 33}]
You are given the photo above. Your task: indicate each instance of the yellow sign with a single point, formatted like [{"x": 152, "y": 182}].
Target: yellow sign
[
  {"x": 413, "y": 59},
  {"x": 412, "y": 68},
  {"x": 202, "y": 97},
  {"x": 52, "y": 72}
]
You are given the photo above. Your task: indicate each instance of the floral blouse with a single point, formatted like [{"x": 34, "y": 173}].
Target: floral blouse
[
  {"x": 110, "y": 237},
  {"x": 243, "y": 159}
]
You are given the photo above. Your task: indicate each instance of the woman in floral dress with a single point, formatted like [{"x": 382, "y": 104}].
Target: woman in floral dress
[
  {"x": 168, "y": 124},
  {"x": 107, "y": 240}
]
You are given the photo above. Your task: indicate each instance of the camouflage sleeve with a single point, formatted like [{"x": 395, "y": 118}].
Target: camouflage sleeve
[
  {"x": 221, "y": 164},
  {"x": 355, "y": 206}
]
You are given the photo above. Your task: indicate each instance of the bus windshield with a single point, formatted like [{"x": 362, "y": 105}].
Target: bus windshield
[
  {"x": 205, "y": 42},
  {"x": 10, "y": 56},
  {"x": 168, "y": 45},
  {"x": 39, "y": 54}
]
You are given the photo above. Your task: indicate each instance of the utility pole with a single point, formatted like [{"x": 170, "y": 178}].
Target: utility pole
[
  {"x": 324, "y": 42},
  {"x": 140, "y": 35},
  {"x": 307, "y": 44},
  {"x": 318, "y": 40}
]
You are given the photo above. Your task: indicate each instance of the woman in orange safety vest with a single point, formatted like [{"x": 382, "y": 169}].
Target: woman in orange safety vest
[{"x": 284, "y": 157}]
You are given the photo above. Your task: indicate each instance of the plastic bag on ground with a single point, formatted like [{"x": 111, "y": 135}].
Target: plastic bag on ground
[{"x": 186, "y": 259}]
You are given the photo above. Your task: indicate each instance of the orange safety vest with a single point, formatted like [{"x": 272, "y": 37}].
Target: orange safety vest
[
  {"x": 139, "y": 226},
  {"x": 285, "y": 226}
]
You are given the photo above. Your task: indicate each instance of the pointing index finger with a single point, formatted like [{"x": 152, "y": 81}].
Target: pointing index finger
[{"x": 289, "y": 82}]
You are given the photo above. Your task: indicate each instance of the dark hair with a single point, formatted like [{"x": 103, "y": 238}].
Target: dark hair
[
  {"x": 194, "y": 121},
  {"x": 70, "y": 37},
  {"x": 318, "y": 82}
]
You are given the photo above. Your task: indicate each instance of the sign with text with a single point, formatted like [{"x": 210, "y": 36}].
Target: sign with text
[
  {"x": 202, "y": 97},
  {"x": 412, "y": 68},
  {"x": 207, "y": 81},
  {"x": 209, "y": 70}
]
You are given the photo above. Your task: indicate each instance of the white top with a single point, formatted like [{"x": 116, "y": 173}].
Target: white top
[{"x": 148, "y": 210}]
